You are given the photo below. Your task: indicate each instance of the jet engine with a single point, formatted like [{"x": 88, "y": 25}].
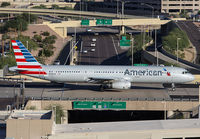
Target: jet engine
[{"x": 121, "y": 85}]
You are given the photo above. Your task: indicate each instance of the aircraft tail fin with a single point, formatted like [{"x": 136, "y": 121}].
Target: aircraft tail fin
[
  {"x": 26, "y": 63},
  {"x": 24, "y": 58}
]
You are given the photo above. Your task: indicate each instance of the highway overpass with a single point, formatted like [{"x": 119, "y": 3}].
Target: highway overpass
[
  {"x": 65, "y": 13},
  {"x": 61, "y": 28}
]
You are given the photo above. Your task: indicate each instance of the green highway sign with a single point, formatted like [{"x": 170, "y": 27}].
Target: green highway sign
[
  {"x": 126, "y": 43},
  {"x": 104, "y": 22},
  {"x": 141, "y": 65},
  {"x": 107, "y": 21},
  {"x": 85, "y": 22},
  {"x": 99, "y": 21},
  {"x": 99, "y": 105}
]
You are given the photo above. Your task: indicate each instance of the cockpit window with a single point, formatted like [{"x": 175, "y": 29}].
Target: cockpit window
[{"x": 185, "y": 72}]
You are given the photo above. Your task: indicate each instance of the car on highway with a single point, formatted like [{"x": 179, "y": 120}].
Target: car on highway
[
  {"x": 93, "y": 44},
  {"x": 5, "y": 54},
  {"x": 85, "y": 51},
  {"x": 92, "y": 50},
  {"x": 94, "y": 39},
  {"x": 56, "y": 62},
  {"x": 89, "y": 30}
]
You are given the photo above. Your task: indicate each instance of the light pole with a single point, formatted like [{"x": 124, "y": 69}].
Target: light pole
[
  {"x": 80, "y": 7},
  {"x": 156, "y": 51},
  {"x": 132, "y": 42},
  {"x": 150, "y": 7},
  {"x": 152, "y": 15},
  {"x": 117, "y": 7},
  {"x": 123, "y": 3},
  {"x": 177, "y": 39},
  {"x": 165, "y": 109},
  {"x": 29, "y": 17},
  {"x": 199, "y": 101},
  {"x": 72, "y": 48},
  {"x": 27, "y": 44}
]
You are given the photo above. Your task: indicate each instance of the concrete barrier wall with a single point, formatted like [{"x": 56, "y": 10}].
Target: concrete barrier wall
[
  {"x": 44, "y": 104},
  {"x": 130, "y": 105},
  {"x": 161, "y": 105}
]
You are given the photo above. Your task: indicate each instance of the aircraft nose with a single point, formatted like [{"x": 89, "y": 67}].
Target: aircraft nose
[{"x": 191, "y": 77}]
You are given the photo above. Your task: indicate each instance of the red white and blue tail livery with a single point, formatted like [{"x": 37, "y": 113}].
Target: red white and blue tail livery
[
  {"x": 118, "y": 77},
  {"x": 26, "y": 63}
]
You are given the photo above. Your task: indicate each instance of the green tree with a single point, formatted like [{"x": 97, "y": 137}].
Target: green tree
[
  {"x": 184, "y": 14},
  {"x": 170, "y": 41},
  {"x": 140, "y": 41},
  {"x": 18, "y": 24},
  {"x": 45, "y": 52},
  {"x": 59, "y": 112},
  {"x": 50, "y": 39},
  {"x": 37, "y": 38},
  {"x": 22, "y": 24},
  {"x": 67, "y": 8},
  {"x": 42, "y": 6},
  {"x": 27, "y": 17},
  {"x": 3, "y": 15},
  {"x": 54, "y": 6},
  {"x": 199, "y": 12},
  {"x": 46, "y": 33},
  {"x": 4, "y": 4},
  {"x": 31, "y": 43},
  {"x": 9, "y": 60}
]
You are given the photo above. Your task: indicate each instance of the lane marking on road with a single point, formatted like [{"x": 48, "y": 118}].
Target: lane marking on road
[{"x": 115, "y": 47}]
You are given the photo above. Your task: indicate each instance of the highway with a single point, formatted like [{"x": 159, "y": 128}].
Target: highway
[{"x": 107, "y": 51}]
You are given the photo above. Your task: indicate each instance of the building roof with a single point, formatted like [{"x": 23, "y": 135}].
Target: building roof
[
  {"x": 128, "y": 126},
  {"x": 29, "y": 114}
]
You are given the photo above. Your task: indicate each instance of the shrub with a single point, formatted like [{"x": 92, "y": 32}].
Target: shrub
[{"x": 46, "y": 33}]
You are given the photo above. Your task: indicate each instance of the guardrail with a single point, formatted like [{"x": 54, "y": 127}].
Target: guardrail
[
  {"x": 179, "y": 59},
  {"x": 181, "y": 98}
]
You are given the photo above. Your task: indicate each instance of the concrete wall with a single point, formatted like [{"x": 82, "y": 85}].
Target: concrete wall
[{"x": 28, "y": 128}]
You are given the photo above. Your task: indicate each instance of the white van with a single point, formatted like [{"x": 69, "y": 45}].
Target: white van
[
  {"x": 94, "y": 39},
  {"x": 93, "y": 44}
]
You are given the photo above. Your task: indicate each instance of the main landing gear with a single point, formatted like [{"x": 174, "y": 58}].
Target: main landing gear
[
  {"x": 102, "y": 88},
  {"x": 173, "y": 87}
]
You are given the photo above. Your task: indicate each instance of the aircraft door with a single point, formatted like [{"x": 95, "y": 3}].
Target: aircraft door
[{"x": 41, "y": 74}]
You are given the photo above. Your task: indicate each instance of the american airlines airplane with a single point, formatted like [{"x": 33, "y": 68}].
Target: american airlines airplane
[{"x": 117, "y": 77}]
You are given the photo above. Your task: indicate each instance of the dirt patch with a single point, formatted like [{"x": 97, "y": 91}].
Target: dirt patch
[
  {"x": 190, "y": 54},
  {"x": 59, "y": 44},
  {"x": 197, "y": 24}
]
